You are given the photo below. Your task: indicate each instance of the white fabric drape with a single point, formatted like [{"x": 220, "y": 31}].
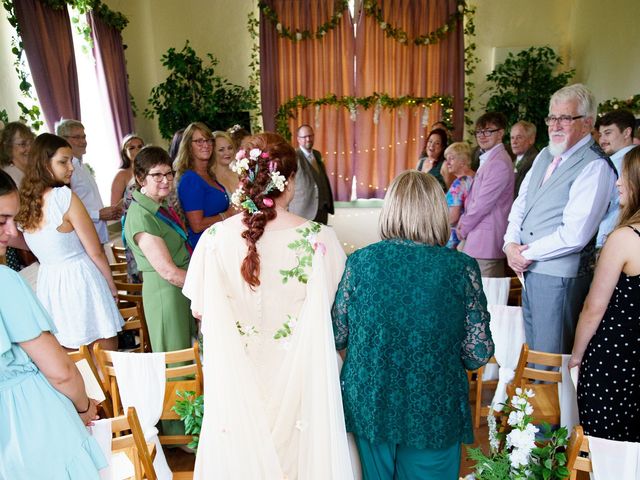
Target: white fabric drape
[
  {"x": 299, "y": 426},
  {"x": 612, "y": 460},
  {"x": 141, "y": 384},
  {"x": 507, "y": 330}
]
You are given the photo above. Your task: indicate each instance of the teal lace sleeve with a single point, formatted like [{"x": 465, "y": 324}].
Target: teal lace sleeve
[
  {"x": 339, "y": 312},
  {"x": 477, "y": 347}
]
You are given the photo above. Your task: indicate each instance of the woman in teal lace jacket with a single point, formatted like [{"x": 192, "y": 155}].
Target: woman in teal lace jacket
[{"x": 412, "y": 316}]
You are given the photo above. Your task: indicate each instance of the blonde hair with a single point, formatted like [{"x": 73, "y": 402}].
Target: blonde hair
[
  {"x": 227, "y": 137},
  {"x": 460, "y": 150},
  {"x": 184, "y": 160},
  {"x": 415, "y": 209}
]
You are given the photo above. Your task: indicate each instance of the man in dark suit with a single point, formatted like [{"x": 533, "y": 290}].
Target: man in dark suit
[
  {"x": 312, "y": 198},
  {"x": 523, "y": 139}
]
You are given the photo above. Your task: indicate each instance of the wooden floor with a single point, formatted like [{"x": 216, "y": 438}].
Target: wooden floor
[{"x": 180, "y": 461}]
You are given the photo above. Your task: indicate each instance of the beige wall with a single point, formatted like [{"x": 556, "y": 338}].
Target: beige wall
[{"x": 155, "y": 26}]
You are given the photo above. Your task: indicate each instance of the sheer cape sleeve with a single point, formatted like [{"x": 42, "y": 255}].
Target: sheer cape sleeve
[{"x": 477, "y": 347}]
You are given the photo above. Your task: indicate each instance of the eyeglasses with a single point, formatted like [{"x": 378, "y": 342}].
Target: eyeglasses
[
  {"x": 201, "y": 142},
  {"x": 77, "y": 137},
  {"x": 486, "y": 132},
  {"x": 564, "y": 120},
  {"x": 158, "y": 177},
  {"x": 24, "y": 143},
  {"x": 305, "y": 136}
]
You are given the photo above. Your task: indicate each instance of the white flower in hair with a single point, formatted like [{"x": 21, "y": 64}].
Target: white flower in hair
[
  {"x": 236, "y": 197},
  {"x": 239, "y": 166},
  {"x": 254, "y": 153},
  {"x": 278, "y": 180}
]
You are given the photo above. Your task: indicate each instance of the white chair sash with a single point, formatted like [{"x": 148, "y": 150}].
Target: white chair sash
[
  {"x": 496, "y": 290},
  {"x": 612, "y": 460}
]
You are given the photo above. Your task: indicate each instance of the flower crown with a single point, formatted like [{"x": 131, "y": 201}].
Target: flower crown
[{"x": 249, "y": 167}]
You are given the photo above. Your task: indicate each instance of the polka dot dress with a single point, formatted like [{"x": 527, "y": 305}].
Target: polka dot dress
[{"x": 609, "y": 385}]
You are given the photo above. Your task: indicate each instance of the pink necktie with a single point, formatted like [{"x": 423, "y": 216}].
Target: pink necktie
[{"x": 551, "y": 168}]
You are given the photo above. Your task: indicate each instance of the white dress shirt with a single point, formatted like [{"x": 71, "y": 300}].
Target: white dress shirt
[
  {"x": 588, "y": 201},
  {"x": 485, "y": 155},
  {"x": 85, "y": 187},
  {"x": 609, "y": 221}
]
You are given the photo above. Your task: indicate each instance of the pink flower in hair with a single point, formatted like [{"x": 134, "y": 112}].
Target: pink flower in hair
[
  {"x": 273, "y": 166},
  {"x": 264, "y": 155},
  {"x": 268, "y": 202},
  {"x": 240, "y": 154}
]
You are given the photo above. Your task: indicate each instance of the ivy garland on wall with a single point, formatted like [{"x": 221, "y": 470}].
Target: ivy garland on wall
[
  {"x": 470, "y": 62},
  {"x": 377, "y": 100},
  {"x": 296, "y": 35},
  {"x": 632, "y": 104},
  {"x": 253, "y": 26},
  {"x": 30, "y": 114}
]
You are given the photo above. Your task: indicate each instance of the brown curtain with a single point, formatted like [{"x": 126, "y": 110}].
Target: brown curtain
[
  {"x": 384, "y": 65},
  {"x": 313, "y": 68},
  {"x": 46, "y": 36},
  {"x": 112, "y": 73}
]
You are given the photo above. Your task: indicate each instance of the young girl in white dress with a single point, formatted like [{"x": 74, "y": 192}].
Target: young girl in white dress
[{"x": 74, "y": 280}]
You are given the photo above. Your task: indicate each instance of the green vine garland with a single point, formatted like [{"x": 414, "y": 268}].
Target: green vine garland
[
  {"x": 372, "y": 9},
  {"x": 30, "y": 114},
  {"x": 114, "y": 19},
  {"x": 470, "y": 63},
  {"x": 253, "y": 26},
  {"x": 298, "y": 35},
  {"x": 632, "y": 104},
  {"x": 287, "y": 110}
]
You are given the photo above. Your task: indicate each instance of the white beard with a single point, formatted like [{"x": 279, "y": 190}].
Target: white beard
[{"x": 557, "y": 149}]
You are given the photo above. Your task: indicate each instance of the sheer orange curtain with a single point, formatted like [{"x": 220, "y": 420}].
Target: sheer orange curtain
[
  {"x": 314, "y": 68},
  {"x": 388, "y": 145}
]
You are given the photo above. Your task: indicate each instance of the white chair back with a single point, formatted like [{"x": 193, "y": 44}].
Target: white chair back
[{"x": 496, "y": 290}]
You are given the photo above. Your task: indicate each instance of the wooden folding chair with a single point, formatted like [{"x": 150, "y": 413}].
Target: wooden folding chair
[
  {"x": 83, "y": 354},
  {"x": 119, "y": 253},
  {"x": 578, "y": 444},
  {"x": 135, "y": 321},
  {"x": 515, "y": 292},
  {"x": 545, "y": 403},
  {"x": 186, "y": 376},
  {"x": 133, "y": 444},
  {"x": 479, "y": 409},
  {"x": 128, "y": 288},
  {"x": 119, "y": 271}
]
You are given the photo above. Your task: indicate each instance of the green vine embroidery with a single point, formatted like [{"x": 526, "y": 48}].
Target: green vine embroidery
[
  {"x": 246, "y": 330},
  {"x": 304, "y": 254},
  {"x": 287, "y": 328},
  {"x": 297, "y": 35}
]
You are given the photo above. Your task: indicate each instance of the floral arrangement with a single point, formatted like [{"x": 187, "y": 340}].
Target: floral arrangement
[
  {"x": 190, "y": 409},
  {"x": 516, "y": 455},
  {"x": 298, "y": 35},
  {"x": 249, "y": 167}
]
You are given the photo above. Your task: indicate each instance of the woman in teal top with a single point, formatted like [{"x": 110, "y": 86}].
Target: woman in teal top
[
  {"x": 43, "y": 404},
  {"x": 411, "y": 315}
]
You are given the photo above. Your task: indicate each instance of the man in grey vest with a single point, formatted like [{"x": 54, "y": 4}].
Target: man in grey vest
[
  {"x": 550, "y": 238},
  {"x": 312, "y": 198}
]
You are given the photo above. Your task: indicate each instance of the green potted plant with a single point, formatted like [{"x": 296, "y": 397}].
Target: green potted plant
[
  {"x": 522, "y": 85},
  {"x": 193, "y": 92}
]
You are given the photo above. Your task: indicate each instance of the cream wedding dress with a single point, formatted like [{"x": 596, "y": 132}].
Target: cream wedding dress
[{"x": 273, "y": 408}]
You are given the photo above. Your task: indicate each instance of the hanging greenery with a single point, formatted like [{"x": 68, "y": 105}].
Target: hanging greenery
[
  {"x": 470, "y": 62},
  {"x": 632, "y": 104},
  {"x": 297, "y": 35},
  {"x": 377, "y": 100},
  {"x": 253, "y": 26},
  {"x": 372, "y": 9},
  {"x": 28, "y": 113},
  {"x": 114, "y": 19}
]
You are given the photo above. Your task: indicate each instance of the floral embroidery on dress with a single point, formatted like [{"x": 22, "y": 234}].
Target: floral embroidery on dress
[
  {"x": 304, "y": 248},
  {"x": 287, "y": 327}
]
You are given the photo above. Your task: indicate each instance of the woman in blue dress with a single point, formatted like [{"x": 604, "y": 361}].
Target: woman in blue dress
[
  {"x": 203, "y": 198},
  {"x": 43, "y": 404}
]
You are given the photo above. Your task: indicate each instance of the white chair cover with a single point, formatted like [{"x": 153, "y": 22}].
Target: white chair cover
[
  {"x": 612, "y": 460},
  {"x": 141, "y": 382},
  {"x": 120, "y": 467},
  {"x": 496, "y": 290},
  {"x": 507, "y": 330},
  {"x": 568, "y": 397}
]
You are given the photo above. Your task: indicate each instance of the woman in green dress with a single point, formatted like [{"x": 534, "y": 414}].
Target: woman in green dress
[
  {"x": 157, "y": 238},
  {"x": 412, "y": 316}
]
